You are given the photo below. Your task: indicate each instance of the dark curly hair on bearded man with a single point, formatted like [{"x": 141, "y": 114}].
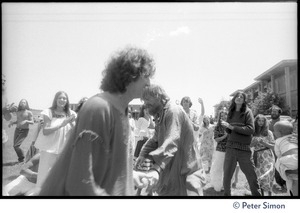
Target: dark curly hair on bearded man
[{"x": 126, "y": 66}]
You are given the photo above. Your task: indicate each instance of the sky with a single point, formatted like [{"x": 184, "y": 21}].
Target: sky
[{"x": 206, "y": 50}]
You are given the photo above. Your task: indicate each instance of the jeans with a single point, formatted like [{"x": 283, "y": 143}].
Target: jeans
[
  {"x": 19, "y": 137},
  {"x": 245, "y": 160}
]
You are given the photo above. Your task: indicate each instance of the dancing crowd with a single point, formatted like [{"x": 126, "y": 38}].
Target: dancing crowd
[{"x": 101, "y": 150}]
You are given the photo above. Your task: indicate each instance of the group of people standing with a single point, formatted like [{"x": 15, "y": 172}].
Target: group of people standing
[{"x": 93, "y": 153}]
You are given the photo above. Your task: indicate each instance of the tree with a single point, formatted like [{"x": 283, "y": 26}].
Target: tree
[
  {"x": 265, "y": 100},
  {"x": 223, "y": 104}
]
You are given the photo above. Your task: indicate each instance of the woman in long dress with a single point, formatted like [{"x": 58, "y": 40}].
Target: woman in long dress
[
  {"x": 220, "y": 137},
  {"x": 261, "y": 145},
  {"x": 206, "y": 144},
  {"x": 58, "y": 121}
]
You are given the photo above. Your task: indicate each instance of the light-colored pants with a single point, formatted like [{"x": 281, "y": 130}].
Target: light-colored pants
[
  {"x": 217, "y": 170},
  {"x": 47, "y": 160},
  {"x": 18, "y": 185}
]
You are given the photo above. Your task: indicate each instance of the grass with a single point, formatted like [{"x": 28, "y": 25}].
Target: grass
[{"x": 11, "y": 168}]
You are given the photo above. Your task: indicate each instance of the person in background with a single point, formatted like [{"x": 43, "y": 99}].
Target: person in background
[
  {"x": 240, "y": 127},
  {"x": 143, "y": 132},
  {"x": 286, "y": 151},
  {"x": 220, "y": 136},
  {"x": 7, "y": 110},
  {"x": 24, "y": 119},
  {"x": 176, "y": 170},
  {"x": 186, "y": 103},
  {"x": 132, "y": 129},
  {"x": 262, "y": 146},
  {"x": 279, "y": 183},
  {"x": 211, "y": 120},
  {"x": 98, "y": 158},
  {"x": 59, "y": 119},
  {"x": 206, "y": 142},
  {"x": 24, "y": 184}
]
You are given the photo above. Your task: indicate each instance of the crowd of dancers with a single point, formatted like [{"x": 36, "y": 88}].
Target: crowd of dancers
[{"x": 170, "y": 150}]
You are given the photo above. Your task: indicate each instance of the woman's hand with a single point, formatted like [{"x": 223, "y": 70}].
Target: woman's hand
[
  {"x": 227, "y": 125},
  {"x": 68, "y": 120}
]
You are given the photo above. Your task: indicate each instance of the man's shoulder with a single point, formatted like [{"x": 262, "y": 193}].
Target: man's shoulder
[{"x": 96, "y": 104}]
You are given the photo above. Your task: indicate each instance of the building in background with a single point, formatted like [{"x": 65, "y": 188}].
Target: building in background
[
  {"x": 135, "y": 107},
  {"x": 282, "y": 79}
]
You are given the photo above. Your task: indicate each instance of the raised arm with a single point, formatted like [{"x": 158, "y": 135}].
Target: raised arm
[{"x": 202, "y": 106}]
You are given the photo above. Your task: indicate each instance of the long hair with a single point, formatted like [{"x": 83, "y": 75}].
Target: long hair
[
  {"x": 232, "y": 106},
  {"x": 261, "y": 130},
  {"x": 26, "y": 106},
  {"x": 67, "y": 106},
  {"x": 186, "y": 98},
  {"x": 124, "y": 67},
  {"x": 157, "y": 92},
  {"x": 206, "y": 125}
]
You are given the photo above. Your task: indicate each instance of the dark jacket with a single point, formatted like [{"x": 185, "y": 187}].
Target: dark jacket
[{"x": 241, "y": 135}]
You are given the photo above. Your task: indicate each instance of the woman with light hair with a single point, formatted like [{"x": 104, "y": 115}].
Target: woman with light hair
[{"x": 262, "y": 146}]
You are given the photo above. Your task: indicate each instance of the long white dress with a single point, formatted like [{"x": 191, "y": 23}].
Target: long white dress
[{"x": 51, "y": 145}]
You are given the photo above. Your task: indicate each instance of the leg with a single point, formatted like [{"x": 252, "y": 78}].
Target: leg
[
  {"x": 236, "y": 174},
  {"x": 19, "y": 137},
  {"x": 217, "y": 170},
  {"x": 230, "y": 162},
  {"x": 247, "y": 166},
  {"x": 295, "y": 187}
]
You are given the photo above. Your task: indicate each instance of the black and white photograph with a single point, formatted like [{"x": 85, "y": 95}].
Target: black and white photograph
[{"x": 154, "y": 100}]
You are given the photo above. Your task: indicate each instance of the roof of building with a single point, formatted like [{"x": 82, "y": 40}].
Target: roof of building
[{"x": 277, "y": 68}]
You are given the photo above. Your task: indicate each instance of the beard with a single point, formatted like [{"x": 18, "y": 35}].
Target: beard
[{"x": 275, "y": 116}]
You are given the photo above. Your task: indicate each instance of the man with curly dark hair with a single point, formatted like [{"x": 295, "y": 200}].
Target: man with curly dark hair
[{"x": 98, "y": 158}]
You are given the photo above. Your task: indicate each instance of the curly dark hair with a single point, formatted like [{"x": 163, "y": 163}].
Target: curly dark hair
[
  {"x": 232, "y": 106},
  {"x": 124, "y": 67}
]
